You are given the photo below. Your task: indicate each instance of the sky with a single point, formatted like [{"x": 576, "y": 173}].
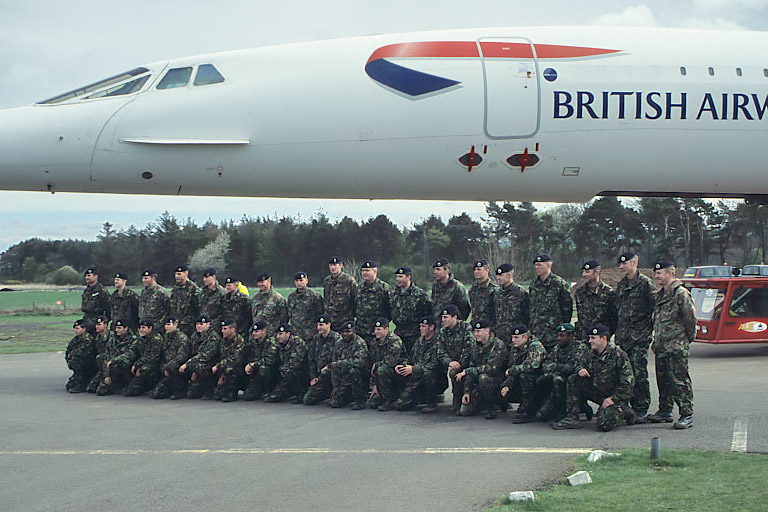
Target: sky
[{"x": 49, "y": 47}]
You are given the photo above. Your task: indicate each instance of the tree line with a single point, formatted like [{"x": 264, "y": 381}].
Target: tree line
[{"x": 691, "y": 231}]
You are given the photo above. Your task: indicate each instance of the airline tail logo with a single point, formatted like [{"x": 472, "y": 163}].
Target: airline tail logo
[
  {"x": 417, "y": 84},
  {"x": 753, "y": 327}
]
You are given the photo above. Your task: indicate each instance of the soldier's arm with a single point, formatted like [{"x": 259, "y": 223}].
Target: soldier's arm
[
  {"x": 688, "y": 315},
  {"x": 622, "y": 393},
  {"x": 612, "y": 313},
  {"x": 462, "y": 301},
  {"x": 525, "y": 309},
  {"x": 296, "y": 359},
  {"x": 282, "y": 311},
  {"x": 392, "y": 355},
  {"x": 495, "y": 362},
  {"x": 534, "y": 359},
  {"x": 566, "y": 303},
  {"x": 356, "y": 359}
]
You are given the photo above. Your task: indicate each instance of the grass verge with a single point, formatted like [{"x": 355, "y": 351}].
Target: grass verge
[
  {"x": 680, "y": 480},
  {"x": 25, "y": 333}
]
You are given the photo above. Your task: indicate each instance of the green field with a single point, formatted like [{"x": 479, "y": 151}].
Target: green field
[
  {"x": 35, "y": 299},
  {"x": 23, "y": 333}
]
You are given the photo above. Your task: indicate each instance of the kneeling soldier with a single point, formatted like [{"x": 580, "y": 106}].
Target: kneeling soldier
[
  {"x": 480, "y": 378},
  {"x": 389, "y": 352},
  {"x": 263, "y": 364},
  {"x": 99, "y": 343},
  {"x": 293, "y": 372},
  {"x": 323, "y": 349},
  {"x": 116, "y": 360},
  {"x": 560, "y": 364},
  {"x": 81, "y": 358},
  {"x": 426, "y": 378},
  {"x": 525, "y": 361},
  {"x": 146, "y": 351},
  {"x": 204, "y": 353},
  {"x": 230, "y": 369},
  {"x": 605, "y": 379},
  {"x": 176, "y": 347}
]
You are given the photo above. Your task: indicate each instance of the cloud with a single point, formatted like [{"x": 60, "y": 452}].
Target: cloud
[
  {"x": 730, "y": 5},
  {"x": 716, "y": 24},
  {"x": 632, "y": 16}
]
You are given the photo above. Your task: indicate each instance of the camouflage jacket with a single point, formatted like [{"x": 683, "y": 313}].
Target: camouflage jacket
[
  {"x": 270, "y": 307},
  {"x": 388, "y": 352},
  {"x": 339, "y": 298},
  {"x": 322, "y": 351},
  {"x": 611, "y": 373},
  {"x": 80, "y": 352},
  {"x": 481, "y": 298},
  {"x": 635, "y": 300},
  {"x": 100, "y": 342},
  {"x": 550, "y": 305},
  {"x": 204, "y": 352},
  {"x": 429, "y": 356},
  {"x": 371, "y": 302},
  {"x": 563, "y": 361},
  {"x": 293, "y": 357},
  {"x": 458, "y": 342},
  {"x": 303, "y": 310},
  {"x": 594, "y": 307},
  {"x": 452, "y": 292},
  {"x": 147, "y": 351},
  {"x": 117, "y": 348},
  {"x": 125, "y": 306},
  {"x": 527, "y": 359},
  {"x": 263, "y": 353},
  {"x": 487, "y": 359},
  {"x": 408, "y": 307},
  {"x": 211, "y": 302},
  {"x": 351, "y": 355},
  {"x": 95, "y": 302},
  {"x": 154, "y": 304},
  {"x": 674, "y": 322},
  {"x": 184, "y": 304},
  {"x": 176, "y": 351},
  {"x": 237, "y": 306},
  {"x": 511, "y": 308},
  {"x": 232, "y": 354}
]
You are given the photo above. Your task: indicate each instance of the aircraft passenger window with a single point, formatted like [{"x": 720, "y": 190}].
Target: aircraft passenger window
[
  {"x": 122, "y": 89},
  {"x": 94, "y": 86},
  {"x": 682, "y": 70},
  {"x": 207, "y": 74},
  {"x": 176, "y": 77},
  {"x": 765, "y": 72},
  {"x": 711, "y": 71},
  {"x": 738, "y": 71}
]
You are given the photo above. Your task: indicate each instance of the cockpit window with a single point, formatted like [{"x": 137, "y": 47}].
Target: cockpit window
[
  {"x": 207, "y": 74},
  {"x": 176, "y": 77},
  {"x": 98, "y": 85},
  {"x": 121, "y": 89}
]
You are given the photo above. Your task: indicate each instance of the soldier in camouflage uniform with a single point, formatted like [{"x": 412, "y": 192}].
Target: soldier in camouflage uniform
[
  {"x": 425, "y": 378},
  {"x": 457, "y": 338},
  {"x": 606, "y": 379},
  {"x": 304, "y": 306},
  {"x": 146, "y": 353},
  {"x": 560, "y": 364},
  {"x": 268, "y": 305},
  {"x": 210, "y": 299},
  {"x": 447, "y": 290},
  {"x": 203, "y": 355},
  {"x": 635, "y": 299},
  {"x": 524, "y": 366},
  {"x": 81, "y": 358},
  {"x": 236, "y": 305},
  {"x": 99, "y": 343},
  {"x": 118, "y": 350},
  {"x": 510, "y": 304},
  {"x": 482, "y": 293},
  {"x": 293, "y": 372},
  {"x": 153, "y": 301},
  {"x": 550, "y": 302},
  {"x": 478, "y": 383},
  {"x": 674, "y": 328},
  {"x": 230, "y": 369},
  {"x": 124, "y": 303},
  {"x": 263, "y": 363},
  {"x": 175, "y": 352},
  {"x": 323, "y": 348},
  {"x": 371, "y": 302},
  {"x": 95, "y": 299},
  {"x": 184, "y": 300},
  {"x": 408, "y": 304},
  {"x": 595, "y": 301},
  {"x": 339, "y": 292},
  {"x": 388, "y": 352}
]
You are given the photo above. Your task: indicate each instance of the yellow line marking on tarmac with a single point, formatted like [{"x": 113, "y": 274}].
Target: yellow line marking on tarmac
[{"x": 311, "y": 451}]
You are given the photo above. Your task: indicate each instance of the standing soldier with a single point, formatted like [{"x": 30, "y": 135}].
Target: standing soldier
[
  {"x": 147, "y": 351},
  {"x": 447, "y": 290},
  {"x": 176, "y": 348},
  {"x": 81, "y": 358},
  {"x": 482, "y": 293},
  {"x": 268, "y": 305},
  {"x": 550, "y": 302},
  {"x": 95, "y": 300},
  {"x": 293, "y": 374},
  {"x": 322, "y": 348},
  {"x": 371, "y": 302},
  {"x": 124, "y": 303},
  {"x": 116, "y": 375},
  {"x": 204, "y": 353},
  {"x": 560, "y": 364},
  {"x": 526, "y": 360},
  {"x": 263, "y": 363},
  {"x": 339, "y": 292},
  {"x": 387, "y": 353},
  {"x": 408, "y": 304},
  {"x": 210, "y": 299},
  {"x": 674, "y": 328},
  {"x": 235, "y": 305},
  {"x": 184, "y": 300},
  {"x": 635, "y": 300},
  {"x": 458, "y": 339},
  {"x": 304, "y": 306},
  {"x": 510, "y": 304},
  {"x": 595, "y": 301},
  {"x": 230, "y": 369},
  {"x": 153, "y": 301},
  {"x": 478, "y": 383}
]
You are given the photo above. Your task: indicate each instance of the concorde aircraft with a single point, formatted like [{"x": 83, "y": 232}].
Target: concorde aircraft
[{"x": 539, "y": 114}]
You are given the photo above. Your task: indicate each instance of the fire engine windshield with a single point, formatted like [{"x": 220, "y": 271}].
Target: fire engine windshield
[{"x": 708, "y": 302}]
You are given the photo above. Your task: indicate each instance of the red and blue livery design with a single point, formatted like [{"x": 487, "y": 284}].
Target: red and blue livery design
[{"x": 416, "y": 83}]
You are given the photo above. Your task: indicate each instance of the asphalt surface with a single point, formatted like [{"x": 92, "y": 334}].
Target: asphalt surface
[{"x": 64, "y": 452}]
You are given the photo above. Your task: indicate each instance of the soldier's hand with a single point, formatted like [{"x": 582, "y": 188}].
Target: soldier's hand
[
  {"x": 313, "y": 381},
  {"x": 167, "y": 373},
  {"x": 454, "y": 365},
  {"x": 584, "y": 373},
  {"x": 460, "y": 376},
  {"x": 373, "y": 370},
  {"x": 607, "y": 403},
  {"x": 374, "y": 391},
  {"x": 324, "y": 368},
  {"x": 506, "y": 373},
  {"x": 108, "y": 381},
  {"x": 504, "y": 391},
  {"x": 193, "y": 377},
  {"x": 465, "y": 399},
  {"x": 183, "y": 368},
  {"x": 405, "y": 370},
  {"x": 109, "y": 364},
  {"x": 222, "y": 380},
  {"x": 214, "y": 370}
]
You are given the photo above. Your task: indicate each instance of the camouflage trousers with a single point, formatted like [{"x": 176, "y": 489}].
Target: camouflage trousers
[
  {"x": 579, "y": 389},
  {"x": 552, "y": 389},
  {"x": 483, "y": 390},
  {"x": 233, "y": 382},
  {"x": 638, "y": 358},
  {"x": 293, "y": 383},
  {"x": 202, "y": 385},
  {"x": 409, "y": 340},
  {"x": 674, "y": 382},
  {"x": 140, "y": 384},
  {"x": 320, "y": 390},
  {"x": 175, "y": 385},
  {"x": 119, "y": 375},
  {"x": 389, "y": 385},
  {"x": 82, "y": 373},
  {"x": 522, "y": 389},
  {"x": 427, "y": 387},
  {"x": 260, "y": 382}
]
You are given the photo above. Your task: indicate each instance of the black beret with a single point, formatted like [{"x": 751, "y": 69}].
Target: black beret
[
  {"x": 334, "y": 260},
  {"x": 299, "y": 275},
  {"x": 664, "y": 263},
  {"x": 368, "y": 264},
  {"x": 182, "y": 268},
  {"x": 349, "y": 325},
  {"x": 406, "y": 271},
  {"x": 102, "y": 319},
  {"x": 170, "y": 318},
  {"x": 147, "y": 322},
  {"x": 262, "y": 277},
  {"x": 481, "y": 263},
  {"x": 261, "y": 324},
  {"x": 120, "y": 323},
  {"x": 79, "y": 323},
  {"x": 542, "y": 258},
  {"x": 442, "y": 262},
  {"x": 203, "y": 319},
  {"x": 626, "y": 256},
  {"x": 149, "y": 272},
  {"x": 505, "y": 267},
  {"x": 565, "y": 328},
  {"x": 229, "y": 321},
  {"x": 428, "y": 320},
  {"x": 599, "y": 330},
  {"x": 481, "y": 324},
  {"x": 284, "y": 328},
  {"x": 450, "y": 309},
  {"x": 590, "y": 265},
  {"x": 120, "y": 275},
  {"x": 209, "y": 272},
  {"x": 324, "y": 319},
  {"x": 519, "y": 329},
  {"x": 91, "y": 270},
  {"x": 381, "y": 322},
  {"x": 231, "y": 279}
]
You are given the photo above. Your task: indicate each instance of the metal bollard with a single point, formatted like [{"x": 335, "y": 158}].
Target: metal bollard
[{"x": 655, "y": 448}]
